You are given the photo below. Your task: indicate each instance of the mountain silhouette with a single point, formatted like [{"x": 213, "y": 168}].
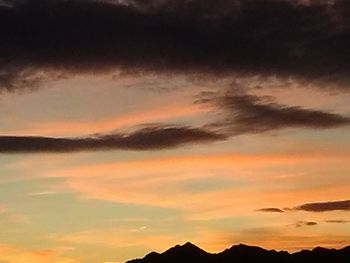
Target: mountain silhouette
[{"x": 189, "y": 253}]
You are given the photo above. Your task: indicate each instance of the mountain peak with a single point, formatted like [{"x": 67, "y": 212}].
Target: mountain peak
[
  {"x": 186, "y": 245},
  {"x": 189, "y": 245},
  {"x": 187, "y": 248}
]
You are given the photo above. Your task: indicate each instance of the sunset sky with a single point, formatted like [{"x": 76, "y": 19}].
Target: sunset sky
[{"x": 130, "y": 126}]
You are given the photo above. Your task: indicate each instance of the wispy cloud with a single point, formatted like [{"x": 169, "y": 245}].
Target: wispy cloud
[
  {"x": 42, "y": 193},
  {"x": 305, "y": 223},
  {"x": 161, "y": 182},
  {"x": 271, "y": 210},
  {"x": 148, "y": 138},
  {"x": 245, "y": 113}
]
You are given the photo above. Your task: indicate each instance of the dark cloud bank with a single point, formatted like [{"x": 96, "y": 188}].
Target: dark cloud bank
[{"x": 260, "y": 37}]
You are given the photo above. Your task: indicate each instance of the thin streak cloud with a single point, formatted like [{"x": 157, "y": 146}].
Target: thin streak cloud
[
  {"x": 305, "y": 223},
  {"x": 343, "y": 205},
  {"x": 270, "y": 210},
  {"x": 317, "y": 207},
  {"x": 149, "y": 138},
  {"x": 337, "y": 221}
]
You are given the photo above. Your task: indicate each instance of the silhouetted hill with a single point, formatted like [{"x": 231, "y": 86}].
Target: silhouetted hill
[
  {"x": 189, "y": 253},
  {"x": 184, "y": 253}
]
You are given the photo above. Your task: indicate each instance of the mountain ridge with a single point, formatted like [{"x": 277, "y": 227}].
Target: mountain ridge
[{"x": 242, "y": 253}]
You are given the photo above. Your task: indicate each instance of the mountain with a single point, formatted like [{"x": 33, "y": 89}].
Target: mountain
[
  {"x": 185, "y": 253},
  {"x": 189, "y": 253}
]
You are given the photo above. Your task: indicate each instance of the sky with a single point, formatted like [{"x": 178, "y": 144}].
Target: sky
[{"x": 131, "y": 126}]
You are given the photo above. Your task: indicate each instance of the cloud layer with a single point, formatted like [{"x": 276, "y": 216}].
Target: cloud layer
[{"x": 41, "y": 38}]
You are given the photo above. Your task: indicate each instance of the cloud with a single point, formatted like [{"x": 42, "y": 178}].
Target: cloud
[
  {"x": 238, "y": 114},
  {"x": 148, "y": 138},
  {"x": 325, "y": 206},
  {"x": 305, "y": 223},
  {"x": 284, "y": 38},
  {"x": 343, "y": 205},
  {"x": 252, "y": 114},
  {"x": 338, "y": 221},
  {"x": 271, "y": 209}
]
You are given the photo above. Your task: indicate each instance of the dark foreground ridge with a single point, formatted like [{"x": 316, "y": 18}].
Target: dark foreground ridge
[{"x": 245, "y": 254}]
